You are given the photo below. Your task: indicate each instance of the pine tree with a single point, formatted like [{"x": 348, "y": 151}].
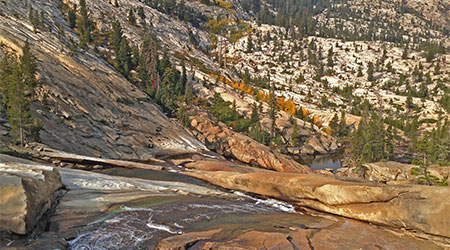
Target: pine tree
[
  {"x": 368, "y": 143},
  {"x": 7, "y": 65},
  {"x": 134, "y": 57},
  {"x": 18, "y": 106},
  {"x": 360, "y": 73},
  {"x": 334, "y": 125},
  {"x": 165, "y": 94},
  {"x": 437, "y": 69},
  {"x": 84, "y": 25},
  {"x": 330, "y": 57},
  {"x": 131, "y": 17},
  {"x": 148, "y": 65},
  {"x": 425, "y": 150},
  {"x": 141, "y": 13},
  {"x": 273, "y": 111},
  {"x": 343, "y": 125},
  {"x": 249, "y": 44},
  {"x": 405, "y": 53},
  {"x": 389, "y": 143},
  {"x": 115, "y": 37},
  {"x": 181, "y": 87},
  {"x": 370, "y": 72},
  {"x": 254, "y": 118},
  {"x": 20, "y": 90},
  {"x": 33, "y": 15},
  {"x": 409, "y": 102},
  {"x": 28, "y": 65},
  {"x": 182, "y": 116},
  {"x": 71, "y": 18},
  {"x": 123, "y": 58},
  {"x": 189, "y": 94}
]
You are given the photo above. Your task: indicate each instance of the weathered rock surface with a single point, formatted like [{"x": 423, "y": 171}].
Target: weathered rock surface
[
  {"x": 390, "y": 172},
  {"x": 315, "y": 140},
  {"x": 112, "y": 211},
  {"x": 84, "y": 104},
  {"x": 243, "y": 148},
  {"x": 27, "y": 192},
  {"x": 56, "y": 155},
  {"x": 338, "y": 234},
  {"x": 413, "y": 207}
]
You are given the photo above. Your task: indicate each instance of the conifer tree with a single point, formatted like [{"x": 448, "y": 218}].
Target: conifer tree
[
  {"x": 249, "y": 44},
  {"x": 6, "y": 67},
  {"x": 343, "y": 125},
  {"x": 115, "y": 36},
  {"x": 123, "y": 58},
  {"x": 254, "y": 118},
  {"x": 334, "y": 125},
  {"x": 19, "y": 92},
  {"x": 330, "y": 57},
  {"x": 148, "y": 65},
  {"x": 273, "y": 110},
  {"x": 370, "y": 72},
  {"x": 424, "y": 148},
  {"x": 84, "y": 25},
  {"x": 141, "y": 13},
  {"x": 182, "y": 116},
  {"x": 189, "y": 94},
  {"x": 405, "y": 53},
  {"x": 131, "y": 17},
  {"x": 71, "y": 18},
  {"x": 360, "y": 73}
]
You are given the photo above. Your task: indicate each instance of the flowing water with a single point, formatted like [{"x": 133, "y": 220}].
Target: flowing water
[{"x": 143, "y": 224}]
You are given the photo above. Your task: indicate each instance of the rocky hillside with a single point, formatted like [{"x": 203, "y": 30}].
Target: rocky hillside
[
  {"x": 140, "y": 107},
  {"x": 224, "y": 45},
  {"x": 84, "y": 105}
]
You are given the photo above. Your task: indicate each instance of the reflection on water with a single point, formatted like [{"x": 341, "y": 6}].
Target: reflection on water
[
  {"x": 325, "y": 163},
  {"x": 322, "y": 162}
]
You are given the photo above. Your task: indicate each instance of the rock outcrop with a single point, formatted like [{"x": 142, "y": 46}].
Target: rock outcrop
[
  {"x": 390, "y": 172},
  {"x": 27, "y": 192},
  {"x": 416, "y": 207},
  {"x": 232, "y": 144},
  {"x": 316, "y": 141},
  {"x": 340, "y": 234},
  {"x": 84, "y": 105},
  {"x": 104, "y": 211}
]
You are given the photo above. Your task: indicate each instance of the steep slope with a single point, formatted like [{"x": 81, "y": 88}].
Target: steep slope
[{"x": 84, "y": 105}]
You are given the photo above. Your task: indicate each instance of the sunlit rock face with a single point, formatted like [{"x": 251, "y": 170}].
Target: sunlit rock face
[
  {"x": 83, "y": 103},
  {"x": 242, "y": 147},
  {"x": 27, "y": 192},
  {"x": 418, "y": 207},
  {"x": 163, "y": 209}
]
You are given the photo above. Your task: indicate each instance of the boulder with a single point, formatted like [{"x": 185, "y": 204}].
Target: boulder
[
  {"x": 307, "y": 150},
  {"x": 242, "y": 147},
  {"x": 423, "y": 208},
  {"x": 27, "y": 191},
  {"x": 316, "y": 145},
  {"x": 294, "y": 150}
]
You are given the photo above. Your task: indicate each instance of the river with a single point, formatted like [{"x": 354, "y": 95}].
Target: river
[{"x": 322, "y": 162}]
